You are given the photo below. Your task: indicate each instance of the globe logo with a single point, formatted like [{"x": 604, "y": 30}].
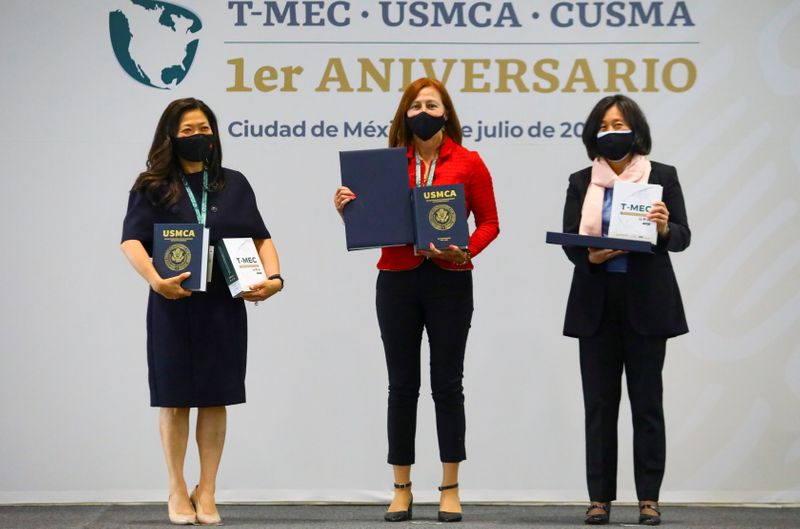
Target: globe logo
[{"x": 155, "y": 42}]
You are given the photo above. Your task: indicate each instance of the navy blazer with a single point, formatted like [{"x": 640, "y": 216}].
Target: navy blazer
[{"x": 653, "y": 300}]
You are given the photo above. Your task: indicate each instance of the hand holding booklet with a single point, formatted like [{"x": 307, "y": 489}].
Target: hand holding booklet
[
  {"x": 629, "y": 208},
  {"x": 240, "y": 263},
  {"x": 380, "y": 215},
  {"x": 440, "y": 217},
  {"x": 628, "y": 229},
  {"x": 179, "y": 248}
]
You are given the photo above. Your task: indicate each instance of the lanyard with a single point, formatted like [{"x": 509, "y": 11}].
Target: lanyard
[
  {"x": 200, "y": 213},
  {"x": 418, "y": 171}
]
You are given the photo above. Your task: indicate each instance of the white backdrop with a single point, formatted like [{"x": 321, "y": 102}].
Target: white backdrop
[{"x": 76, "y": 425}]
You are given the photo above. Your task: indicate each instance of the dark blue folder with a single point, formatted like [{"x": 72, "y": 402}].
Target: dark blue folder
[
  {"x": 589, "y": 241},
  {"x": 381, "y": 213},
  {"x": 179, "y": 248},
  {"x": 440, "y": 217}
]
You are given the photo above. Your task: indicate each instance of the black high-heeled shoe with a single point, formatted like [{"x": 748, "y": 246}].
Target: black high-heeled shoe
[
  {"x": 598, "y": 519},
  {"x": 647, "y": 519},
  {"x": 445, "y": 516},
  {"x": 401, "y": 516}
]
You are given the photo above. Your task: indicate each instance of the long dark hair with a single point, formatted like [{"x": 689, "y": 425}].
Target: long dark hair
[
  {"x": 642, "y": 143},
  {"x": 400, "y": 134},
  {"x": 161, "y": 181}
]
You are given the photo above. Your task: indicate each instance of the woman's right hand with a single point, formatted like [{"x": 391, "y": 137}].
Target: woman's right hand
[
  {"x": 600, "y": 256},
  {"x": 342, "y": 197},
  {"x": 171, "y": 288}
]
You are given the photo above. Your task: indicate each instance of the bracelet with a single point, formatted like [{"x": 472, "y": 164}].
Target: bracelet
[
  {"x": 278, "y": 277},
  {"x": 467, "y": 258}
]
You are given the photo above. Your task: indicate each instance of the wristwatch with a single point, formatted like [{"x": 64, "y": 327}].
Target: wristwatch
[{"x": 277, "y": 276}]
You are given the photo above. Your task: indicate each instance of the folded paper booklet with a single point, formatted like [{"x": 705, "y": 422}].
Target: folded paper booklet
[
  {"x": 240, "y": 263},
  {"x": 590, "y": 241},
  {"x": 629, "y": 208},
  {"x": 440, "y": 217},
  {"x": 179, "y": 248},
  {"x": 381, "y": 213}
]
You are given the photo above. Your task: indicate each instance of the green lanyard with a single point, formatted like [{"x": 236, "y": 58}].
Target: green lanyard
[
  {"x": 418, "y": 171},
  {"x": 200, "y": 213}
]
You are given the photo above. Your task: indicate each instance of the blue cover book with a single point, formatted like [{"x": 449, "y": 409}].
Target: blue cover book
[
  {"x": 179, "y": 248},
  {"x": 440, "y": 217},
  {"x": 381, "y": 213},
  {"x": 589, "y": 241}
]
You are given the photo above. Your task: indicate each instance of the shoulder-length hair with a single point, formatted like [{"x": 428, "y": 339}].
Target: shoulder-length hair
[
  {"x": 400, "y": 134},
  {"x": 162, "y": 178},
  {"x": 633, "y": 116}
]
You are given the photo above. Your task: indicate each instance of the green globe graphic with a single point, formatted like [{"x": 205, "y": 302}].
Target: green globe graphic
[{"x": 155, "y": 42}]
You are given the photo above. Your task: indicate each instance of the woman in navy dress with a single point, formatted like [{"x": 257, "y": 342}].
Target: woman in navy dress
[{"x": 196, "y": 341}]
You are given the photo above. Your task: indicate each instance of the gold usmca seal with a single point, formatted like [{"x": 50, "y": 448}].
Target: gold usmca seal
[
  {"x": 177, "y": 257},
  {"x": 442, "y": 217}
]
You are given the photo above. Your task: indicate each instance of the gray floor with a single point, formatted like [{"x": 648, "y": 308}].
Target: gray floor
[{"x": 350, "y": 516}]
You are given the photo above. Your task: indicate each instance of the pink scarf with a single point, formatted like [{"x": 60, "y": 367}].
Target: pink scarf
[{"x": 603, "y": 176}]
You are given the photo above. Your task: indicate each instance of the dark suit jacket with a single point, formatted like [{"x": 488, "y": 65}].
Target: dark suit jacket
[{"x": 653, "y": 300}]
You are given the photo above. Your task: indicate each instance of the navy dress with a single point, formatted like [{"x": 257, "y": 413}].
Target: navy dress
[{"x": 197, "y": 346}]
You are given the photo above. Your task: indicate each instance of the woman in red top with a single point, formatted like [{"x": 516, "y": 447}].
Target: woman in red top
[{"x": 431, "y": 290}]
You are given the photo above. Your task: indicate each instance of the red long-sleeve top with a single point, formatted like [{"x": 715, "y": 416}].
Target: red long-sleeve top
[{"x": 455, "y": 165}]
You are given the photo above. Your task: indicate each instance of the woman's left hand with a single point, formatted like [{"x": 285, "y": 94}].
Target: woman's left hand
[
  {"x": 660, "y": 215},
  {"x": 452, "y": 254},
  {"x": 263, "y": 290}
]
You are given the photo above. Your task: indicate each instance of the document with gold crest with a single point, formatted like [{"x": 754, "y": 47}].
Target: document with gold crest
[
  {"x": 440, "y": 217},
  {"x": 179, "y": 248}
]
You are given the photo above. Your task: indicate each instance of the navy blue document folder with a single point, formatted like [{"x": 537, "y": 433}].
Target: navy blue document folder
[
  {"x": 381, "y": 213},
  {"x": 440, "y": 217},
  {"x": 589, "y": 241},
  {"x": 179, "y": 248}
]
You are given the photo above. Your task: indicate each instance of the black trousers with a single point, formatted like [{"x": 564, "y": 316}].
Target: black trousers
[
  {"x": 604, "y": 356},
  {"x": 440, "y": 301}
]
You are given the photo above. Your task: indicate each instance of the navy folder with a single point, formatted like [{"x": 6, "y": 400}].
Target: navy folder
[
  {"x": 440, "y": 217},
  {"x": 179, "y": 248},
  {"x": 381, "y": 213},
  {"x": 589, "y": 241}
]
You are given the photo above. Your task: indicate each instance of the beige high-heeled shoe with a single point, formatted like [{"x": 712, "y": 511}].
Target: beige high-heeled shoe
[
  {"x": 178, "y": 518},
  {"x": 204, "y": 518}
]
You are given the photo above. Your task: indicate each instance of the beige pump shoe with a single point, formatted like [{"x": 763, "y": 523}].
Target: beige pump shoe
[
  {"x": 178, "y": 518},
  {"x": 204, "y": 518}
]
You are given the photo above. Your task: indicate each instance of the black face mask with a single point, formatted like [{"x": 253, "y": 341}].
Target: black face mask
[
  {"x": 615, "y": 145},
  {"x": 197, "y": 148},
  {"x": 424, "y": 126}
]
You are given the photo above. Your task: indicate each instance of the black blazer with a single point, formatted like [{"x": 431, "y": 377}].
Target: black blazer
[{"x": 653, "y": 300}]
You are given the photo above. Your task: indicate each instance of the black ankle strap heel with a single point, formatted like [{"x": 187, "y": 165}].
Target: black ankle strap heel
[
  {"x": 445, "y": 516},
  {"x": 401, "y": 516}
]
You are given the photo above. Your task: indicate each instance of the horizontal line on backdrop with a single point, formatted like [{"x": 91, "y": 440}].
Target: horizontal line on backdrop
[
  {"x": 750, "y": 498},
  {"x": 660, "y": 43}
]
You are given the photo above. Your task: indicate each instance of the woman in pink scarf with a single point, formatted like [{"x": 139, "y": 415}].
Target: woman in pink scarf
[{"x": 623, "y": 306}]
